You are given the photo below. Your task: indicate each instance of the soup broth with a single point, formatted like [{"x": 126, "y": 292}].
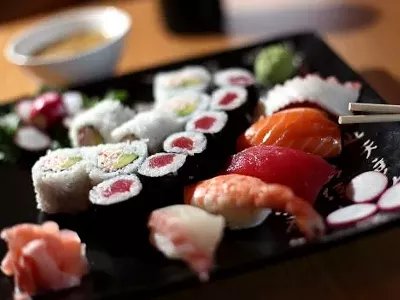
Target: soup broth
[{"x": 73, "y": 44}]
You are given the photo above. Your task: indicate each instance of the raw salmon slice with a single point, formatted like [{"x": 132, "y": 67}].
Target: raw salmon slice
[{"x": 306, "y": 129}]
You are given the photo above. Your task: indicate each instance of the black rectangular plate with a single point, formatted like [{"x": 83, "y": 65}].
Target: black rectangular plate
[{"x": 124, "y": 269}]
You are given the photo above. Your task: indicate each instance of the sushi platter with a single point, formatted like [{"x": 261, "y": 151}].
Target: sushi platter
[{"x": 190, "y": 172}]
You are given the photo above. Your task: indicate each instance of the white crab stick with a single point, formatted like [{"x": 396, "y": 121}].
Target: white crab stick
[{"x": 366, "y": 187}]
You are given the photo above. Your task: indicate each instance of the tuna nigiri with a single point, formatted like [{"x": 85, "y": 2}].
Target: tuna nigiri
[
  {"x": 304, "y": 173},
  {"x": 188, "y": 233},
  {"x": 242, "y": 199},
  {"x": 43, "y": 257},
  {"x": 306, "y": 129}
]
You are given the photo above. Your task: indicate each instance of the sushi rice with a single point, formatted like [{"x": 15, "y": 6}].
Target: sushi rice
[
  {"x": 151, "y": 125},
  {"x": 111, "y": 160},
  {"x": 190, "y": 78},
  {"x": 186, "y": 142},
  {"x": 115, "y": 190},
  {"x": 100, "y": 120},
  {"x": 61, "y": 181}
]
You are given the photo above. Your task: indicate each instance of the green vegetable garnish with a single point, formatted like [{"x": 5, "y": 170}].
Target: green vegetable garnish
[
  {"x": 124, "y": 160},
  {"x": 70, "y": 162},
  {"x": 10, "y": 123},
  {"x": 190, "y": 82},
  {"x": 121, "y": 95},
  {"x": 9, "y": 152},
  {"x": 274, "y": 64},
  {"x": 186, "y": 110}
]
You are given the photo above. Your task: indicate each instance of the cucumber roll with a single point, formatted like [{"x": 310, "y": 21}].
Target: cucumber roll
[
  {"x": 151, "y": 125},
  {"x": 185, "y": 105},
  {"x": 110, "y": 160},
  {"x": 61, "y": 181},
  {"x": 190, "y": 78},
  {"x": 94, "y": 126}
]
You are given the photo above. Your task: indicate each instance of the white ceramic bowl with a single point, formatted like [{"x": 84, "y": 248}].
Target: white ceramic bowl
[{"x": 94, "y": 64}]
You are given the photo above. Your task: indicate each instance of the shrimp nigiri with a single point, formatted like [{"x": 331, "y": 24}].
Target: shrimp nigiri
[
  {"x": 42, "y": 257},
  {"x": 188, "y": 233},
  {"x": 306, "y": 129},
  {"x": 241, "y": 200}
]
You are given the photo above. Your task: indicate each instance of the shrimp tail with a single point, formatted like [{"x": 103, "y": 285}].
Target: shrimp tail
[
  {"x": 309, "y": 222},
  {"x": 281, "y": 198}
]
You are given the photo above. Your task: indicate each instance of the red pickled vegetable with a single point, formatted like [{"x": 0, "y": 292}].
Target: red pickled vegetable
[{"x": 47, "y": 109}]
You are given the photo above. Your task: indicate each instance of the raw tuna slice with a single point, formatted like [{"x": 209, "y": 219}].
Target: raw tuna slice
[{"x": 304, "y": 173}]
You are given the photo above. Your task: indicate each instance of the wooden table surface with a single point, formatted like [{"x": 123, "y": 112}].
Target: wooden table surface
[{"x": 365, "y": 34}]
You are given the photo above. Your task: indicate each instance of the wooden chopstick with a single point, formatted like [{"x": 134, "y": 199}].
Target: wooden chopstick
[
  {"x": 375, "y": 108},
  {"x": 369, "y": 119}
]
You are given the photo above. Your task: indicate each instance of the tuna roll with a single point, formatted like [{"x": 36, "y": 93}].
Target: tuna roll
[
  {"x": 233, "y": 100},
  {"x": 194, "y": 145},
  {"x": 166, "y": 173},
  {"x": 239, "y": 77}
]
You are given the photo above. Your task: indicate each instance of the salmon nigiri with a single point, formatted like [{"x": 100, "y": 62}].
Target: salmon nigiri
[
  {"x": 242, "y": 199},
  {"x": 306, "y": 129},
  {"x": 42, "y": 257},
  {"x": 188, "y": 233}
]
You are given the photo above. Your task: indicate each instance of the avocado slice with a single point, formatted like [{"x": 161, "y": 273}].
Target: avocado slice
[
  {"x": 124, "y": 160},
  {"x": 70, "y": 162},
  {"x": 186, "y": 110}
]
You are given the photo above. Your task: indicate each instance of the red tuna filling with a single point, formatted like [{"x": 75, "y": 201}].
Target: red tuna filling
[
  {"x": 240, "y": 80},
  {"x": 204, "y": 123},
  {"x": 183, "y": 143},
  {"x": 228, "y": 98},
  {"x": 119, "y": 186},
  {"x": 161, "y": 161}
]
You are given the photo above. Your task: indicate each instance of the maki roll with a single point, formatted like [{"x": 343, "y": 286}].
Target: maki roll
[
  {"x": 167, "y": 172},
  {"x": 61, "y": 181},
  {"x": 151, "y": 125},
  {"x": 110, "y": 160},
  {"x": 115, "y": 201},
  {"x": 220, "y": 138},
  {"x": 194, "y": 145},
  {"x": 234, "y": 101},
  {"x": 190, "y": 78},
  {"x": 185, "y": 105},
  {"x": 94, "y": 126},
  {"x": 238, "y": 77}
]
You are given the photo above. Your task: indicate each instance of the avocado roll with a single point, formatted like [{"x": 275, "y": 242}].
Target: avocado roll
[
  {"x": 110, "y": 160},
  {"x": 171, "y": 83},
  {"x": 61, "y": 181},
  {"x": 150, "y": 125},
  {"x": 94, "y": 126}
]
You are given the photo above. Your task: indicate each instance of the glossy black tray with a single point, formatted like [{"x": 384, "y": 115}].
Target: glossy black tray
[{"x": 124, "y": 267}]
